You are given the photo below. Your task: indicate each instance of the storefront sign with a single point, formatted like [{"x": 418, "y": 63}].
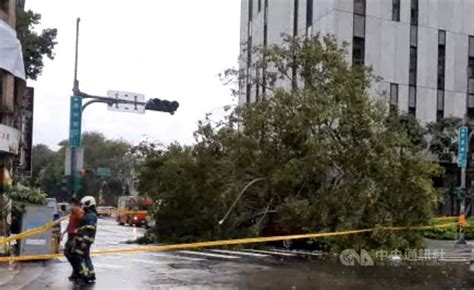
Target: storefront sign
[{"x": 9, "y": 139}]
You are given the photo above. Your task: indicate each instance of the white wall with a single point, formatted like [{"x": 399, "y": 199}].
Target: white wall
[{"x": 388, "y": 43}]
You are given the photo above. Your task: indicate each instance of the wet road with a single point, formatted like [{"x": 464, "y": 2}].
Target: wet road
[{"x": 224, "y": 269}]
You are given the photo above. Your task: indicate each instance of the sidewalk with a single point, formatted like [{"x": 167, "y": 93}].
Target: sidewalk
[
  {"x": 6, "y": 274},
  {"x": 449, "y": 251}
]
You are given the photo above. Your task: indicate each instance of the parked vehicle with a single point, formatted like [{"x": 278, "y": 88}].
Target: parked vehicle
[
  {"x": 64, "y": 208},
  {"x": 136, "y": 204}
]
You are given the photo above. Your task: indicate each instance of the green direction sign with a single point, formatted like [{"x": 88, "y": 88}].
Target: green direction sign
[
  {"x": 463, "y": 144},
  {"x": 75, "y": 121},
  {"x": 103, "y": 171}
]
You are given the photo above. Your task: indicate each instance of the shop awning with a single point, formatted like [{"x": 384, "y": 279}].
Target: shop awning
[{"x": 11, "y": 57}]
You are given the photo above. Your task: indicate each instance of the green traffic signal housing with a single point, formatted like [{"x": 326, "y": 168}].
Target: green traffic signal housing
[
  {"x": 162, "y": 105},
  {"x": 458, "y": 193}
]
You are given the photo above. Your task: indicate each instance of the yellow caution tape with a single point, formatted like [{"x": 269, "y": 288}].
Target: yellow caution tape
[
  {"x": 123, "y": 212},
  {"x": 221, "y": 243},
  {"x": 32, "y": 232},
  {"x": 445, "y": 218}
]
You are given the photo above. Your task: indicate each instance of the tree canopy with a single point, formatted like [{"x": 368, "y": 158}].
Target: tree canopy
[
  {"x": 35, "y": 45},
  {"x": 325, "y": 154},
  {"x": 48, "y": 166}
]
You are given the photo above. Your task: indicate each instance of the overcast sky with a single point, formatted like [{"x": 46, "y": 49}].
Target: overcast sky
[{"x": 167, "y": 49}]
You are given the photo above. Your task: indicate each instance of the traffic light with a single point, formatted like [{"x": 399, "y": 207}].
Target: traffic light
[
  {"x": 162, "y": 105},
  {"x": 65, "y": 183},
  {"x": 458, "y": 193}
]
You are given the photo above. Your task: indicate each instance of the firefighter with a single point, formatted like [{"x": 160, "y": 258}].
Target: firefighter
[
  {"x": 77, "y": 215},
  {"x": 84, "y": 239}
]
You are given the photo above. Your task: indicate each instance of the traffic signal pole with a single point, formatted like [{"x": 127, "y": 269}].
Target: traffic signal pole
[
  {"x": 73, "y": 149},
  {"x": 463, "y": 151},
  {"x": 77, "y": 109}
]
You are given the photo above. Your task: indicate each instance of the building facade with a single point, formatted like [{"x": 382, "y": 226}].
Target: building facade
[
  {"x": 423, "y": 50},
  {"x": 13, "y": 91}
]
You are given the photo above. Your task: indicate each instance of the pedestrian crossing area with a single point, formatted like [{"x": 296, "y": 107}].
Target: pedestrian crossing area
[
  {"x": 192, "y": 256},
  {"x": 246, "y": 254},
  {"x": 448, "y": 256}
]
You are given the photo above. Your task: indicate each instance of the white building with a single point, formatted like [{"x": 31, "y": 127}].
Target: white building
[{"x": 422, "y": 49}]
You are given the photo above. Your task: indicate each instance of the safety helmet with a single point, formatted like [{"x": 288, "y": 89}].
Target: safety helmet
[{"x": 88, "y": 201}]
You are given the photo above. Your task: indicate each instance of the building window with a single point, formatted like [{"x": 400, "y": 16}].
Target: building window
[
  {"x": 414, "y": 12},
  {"x": 359, "y": 7},
  {"x": 358, "y": 33},
  {"x": 470, "y": 106},
  {"x": 413, "y": 36},
  {"x": 412, "y": 71},
  {"x": 440, "y": 105},
  {"x": 441, "y": 37},
  {"x": 259, "y": 6},
  {"x": 359, "y": 26},
  {"x": 249, "y": 51},
  {"x": 358, "y": 51},
  {"x": 295, "y": 17},
  {"x": 441, "y": 74},
  {"x": 309, "y": 16},
  {"x": 441, "y": 58},
  {"x": 250, "y": 3},
  {"x": 395, "y": 10},
  {"x": 265, "y": 43},
  {"x": 393, "y": 97},
  {"x": 471, "y": 46},
  {"x": 471, "y": 67},
  {"x": 412, "y": 100}
]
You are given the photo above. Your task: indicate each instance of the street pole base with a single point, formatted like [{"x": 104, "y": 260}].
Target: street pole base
[{"x": 462, "y": 244}]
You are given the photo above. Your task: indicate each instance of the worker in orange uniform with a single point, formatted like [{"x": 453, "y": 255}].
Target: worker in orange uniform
[{"x": 77, "y": 214}]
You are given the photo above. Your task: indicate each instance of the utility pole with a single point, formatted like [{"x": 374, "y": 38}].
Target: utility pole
[
  {"x": 75, "y": 121},
  {"x": 116, "y": 101}
]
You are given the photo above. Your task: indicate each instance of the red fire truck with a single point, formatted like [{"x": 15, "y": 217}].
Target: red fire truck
[{"x": 134, "y": 211}]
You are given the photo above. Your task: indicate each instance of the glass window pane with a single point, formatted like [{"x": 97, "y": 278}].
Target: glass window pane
[
  {"x": 413, "y": 65},
  {"x": 414, "y": 12},
  {"x": 471, "y": 86},
  {"x": 393, "y": 94},
  {"x": 442, "y": 37},
  {"x": 471, "y": 67},
  {"x": 359, "y": 26},
  {"x": 471, "y": 46},
  {"x": 412, "y": 97},
  {"x": 440, "y": 100},
  {"x": 309, "y": 13},
  {"x": 359, "y": 7},
  {"x": 413, "y": 36},
  {"x": 395, "y": 10},
  {"x": 439, "y": 115},
  {"x": 358, "y": 50},
  {"x": 470, "y": 101}
]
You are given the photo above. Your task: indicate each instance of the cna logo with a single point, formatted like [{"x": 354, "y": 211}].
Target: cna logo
[{"x": 349, "y": 257}]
